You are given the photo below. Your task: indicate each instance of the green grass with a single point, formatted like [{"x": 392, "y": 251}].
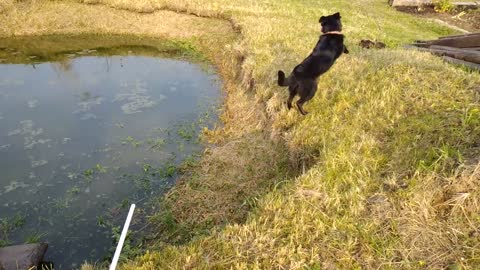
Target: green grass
[
  {"x": 9, "y": 225},
  {"x": 382, "y": 174},
  {"x": 35, "y": 238},
  {"x": 60, "y": 48}
]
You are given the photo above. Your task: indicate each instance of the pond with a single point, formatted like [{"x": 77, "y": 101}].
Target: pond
[{"x": 87, "y": 134}]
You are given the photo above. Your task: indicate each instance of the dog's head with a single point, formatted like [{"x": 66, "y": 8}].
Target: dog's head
[{"x": 331, "y": 23}]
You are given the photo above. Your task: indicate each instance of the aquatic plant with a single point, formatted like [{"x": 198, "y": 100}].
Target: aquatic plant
[
  {"x": 8, "y": 225},
  {"x": 35, "y": 238}
]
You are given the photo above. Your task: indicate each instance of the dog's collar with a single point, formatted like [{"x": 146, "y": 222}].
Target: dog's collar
[{"x": 333, "y": 33}]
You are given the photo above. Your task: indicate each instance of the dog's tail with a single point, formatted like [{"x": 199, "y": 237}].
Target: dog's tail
[{"x": 282, "y": 80}]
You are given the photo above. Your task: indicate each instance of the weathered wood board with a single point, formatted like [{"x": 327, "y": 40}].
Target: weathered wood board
[
  {"x": 461, "y": 62},
  {"x": 417, "y": 3},
  {"x": 458, "y": 49},
  {"x": 466, "y": 41}
]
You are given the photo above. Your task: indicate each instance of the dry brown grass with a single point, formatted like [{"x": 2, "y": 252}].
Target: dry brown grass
[
  {"x": 6, "y": 6},
  {"x": 222, "y": 188},
  {"x": 230, "y": 184},
  {"x": 438, "y": 224},
  {"x": 87, "y": 266},
  {"x": 48, "y": 17}
]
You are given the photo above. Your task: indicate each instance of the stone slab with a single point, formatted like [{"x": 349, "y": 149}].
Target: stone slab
[
  {"x": 410, "y": 3},
  {"x": 22, "y": 256}
]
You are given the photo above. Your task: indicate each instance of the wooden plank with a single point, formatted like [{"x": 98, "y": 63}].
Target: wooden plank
[
  {"x": 461, "y": 62},
  {"x": 467, "y": 55},
  {"x": 415, "y": 47},
  {"x": 447, "y": 58},
  {"x": 446, "y": 48},
  {"x": 462, "y": 35},
  {"x": 418, "y": 3},
  {"x": 458, "y": 42},
  {"x": 420, "y": 44},
  {"x": 470, "y": 56}
]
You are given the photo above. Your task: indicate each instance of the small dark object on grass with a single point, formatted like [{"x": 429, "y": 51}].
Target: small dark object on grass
[
  {"x": 304, "y": 77},
  {"x": 368, "y": 44}
]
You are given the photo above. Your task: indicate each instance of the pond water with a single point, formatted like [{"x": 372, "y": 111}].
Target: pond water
[{"x": 82, "y": 138}]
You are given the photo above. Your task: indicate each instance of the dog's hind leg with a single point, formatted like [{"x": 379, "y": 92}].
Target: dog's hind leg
[
  {"x": 308, "y": 92},
  {"x": 292, "y": 89},
  {"x": 289, "y": 101},
  {"x": 300, "y": 103}
]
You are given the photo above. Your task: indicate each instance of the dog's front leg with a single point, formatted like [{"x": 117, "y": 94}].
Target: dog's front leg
[{"x": 345, "y": 50}]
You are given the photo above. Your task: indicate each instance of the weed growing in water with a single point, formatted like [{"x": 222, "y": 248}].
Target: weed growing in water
[
  {"x": 88, "y": 173},
  {"x": 62, "y": 203},
  {"x": 100, "y": 168},
  {"x": 187, "y": 131},
  {"x": 125, "y": 203},
  {"x": 168, "y": 170},
  {"x": 34, "y": 238},
  {"x": 157, "y": 143},
  {"x": 132, "y": 141},
  {"x": 9, "y": 225},
  {"x": 73, "y": 191},
  {"x": 147, "y": 168}
]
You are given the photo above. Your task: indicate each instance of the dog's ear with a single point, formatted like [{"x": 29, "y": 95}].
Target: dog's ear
[
  {"x": 321, "y": 19},
  {"x": 337, "y": 15}
]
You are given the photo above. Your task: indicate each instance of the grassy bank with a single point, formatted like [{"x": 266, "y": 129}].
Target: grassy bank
[
  {"x": 388, "y": 155},
  {"x": 60, "y": 48}
]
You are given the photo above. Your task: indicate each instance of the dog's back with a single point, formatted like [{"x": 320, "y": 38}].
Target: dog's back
[{"x": 329, "y": 47}]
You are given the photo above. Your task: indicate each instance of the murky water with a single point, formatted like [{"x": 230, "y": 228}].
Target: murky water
[{"x": 83, "y": 138}]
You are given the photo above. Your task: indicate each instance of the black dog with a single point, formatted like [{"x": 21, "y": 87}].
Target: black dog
[{"x": 303, "y": 79}]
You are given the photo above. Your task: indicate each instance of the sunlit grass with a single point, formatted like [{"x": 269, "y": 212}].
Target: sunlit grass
[
  {"x": 388, "y": 131},
  {"x": 389, "y": 151}
]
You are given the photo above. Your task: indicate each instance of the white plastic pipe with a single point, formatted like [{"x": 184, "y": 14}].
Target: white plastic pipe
[{"x": 122, "y": 238}]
